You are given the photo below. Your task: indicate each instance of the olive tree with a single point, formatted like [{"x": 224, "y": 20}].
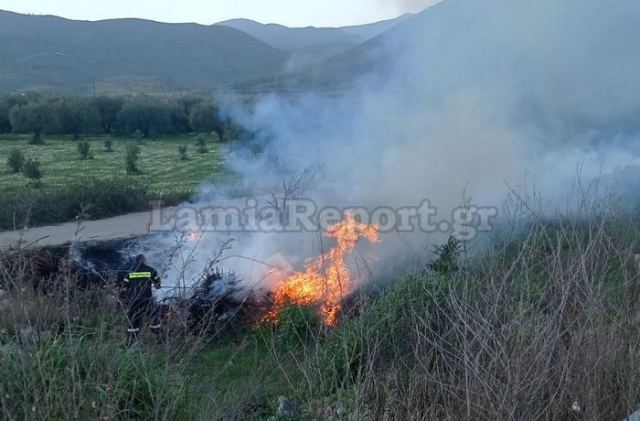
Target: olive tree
[
  {"x": 203, "y": 118},
  {"x": 34, "y": 117},
  {"x": 148, "y": 115},
  {"x": 75, "y": 116},
  {"x": 108, "y": 109}
]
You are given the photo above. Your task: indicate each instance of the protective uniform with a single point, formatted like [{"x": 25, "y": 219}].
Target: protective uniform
[{"x": 138, "y": 298}]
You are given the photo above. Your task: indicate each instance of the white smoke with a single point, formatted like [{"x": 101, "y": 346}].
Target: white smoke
[{"x": 470, "y": 96}]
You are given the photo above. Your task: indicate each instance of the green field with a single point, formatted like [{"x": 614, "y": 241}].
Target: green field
[{"x": 163, "y": 173}]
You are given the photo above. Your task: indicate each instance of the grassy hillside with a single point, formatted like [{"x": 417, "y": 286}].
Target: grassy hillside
[{"x": 40, "y": 52}]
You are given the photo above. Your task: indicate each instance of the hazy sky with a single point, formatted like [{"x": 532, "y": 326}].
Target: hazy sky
[{"x": 286, "y": 12}]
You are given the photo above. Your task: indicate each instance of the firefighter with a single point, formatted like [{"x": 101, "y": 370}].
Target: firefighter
[{"x": 138, "y": 298}]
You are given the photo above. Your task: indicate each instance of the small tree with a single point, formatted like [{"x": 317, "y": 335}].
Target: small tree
[
  {"x": 75, "y": 115},
  {"x": 131, "y": 158},
  {"x": 182, "y": 150},
  {"x": 108, "y": 145},
  {"x": 84, "y": 149},
  {"x": 108, "y": 109},
  {"x": 34, "y": 117},
  {"x": 15, "y": 160},
  {"x": 203, "y": 117},
  {"x": 147, "y": 114},
  {"x": 201, "y": 143},
  {"x": 139, "y": 137},
  {"x": 32, "y": 170}
]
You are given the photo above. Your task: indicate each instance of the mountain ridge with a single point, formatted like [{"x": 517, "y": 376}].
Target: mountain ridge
[
  {"x": 50, "y": 51},
  {"x": 124, "y": 55}
]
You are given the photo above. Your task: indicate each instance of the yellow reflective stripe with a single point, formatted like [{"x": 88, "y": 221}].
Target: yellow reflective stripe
[{"x": 138, "y": 275}]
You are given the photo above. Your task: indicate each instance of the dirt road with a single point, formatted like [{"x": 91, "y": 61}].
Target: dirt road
[{"x": 123, "y": 226}]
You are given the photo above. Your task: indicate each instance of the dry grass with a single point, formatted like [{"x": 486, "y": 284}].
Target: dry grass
[
  {"x": 544, "y": 324},
  {"x": 545, "y": 327}
]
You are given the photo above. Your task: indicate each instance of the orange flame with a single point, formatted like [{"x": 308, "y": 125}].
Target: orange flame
[{"x": 326, "y": 279}]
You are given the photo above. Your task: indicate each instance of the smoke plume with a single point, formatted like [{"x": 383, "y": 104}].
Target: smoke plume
[{"x": 464, "y": 99}]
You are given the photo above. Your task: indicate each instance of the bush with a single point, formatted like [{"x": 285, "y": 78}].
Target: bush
[
  {"x": 32, "y": 170},
  {"x": 131, "y": 159},
  {"x": 15, "y": 160},
  {"x": 182, "y": 150},
  {"x": 108, "y": 145},
  {"x": 447, "y": 257},
  {"x": 380, "y": 333},
  {"x": 481, "y": 343},
  {"x": 77, "y": 367},
  {"x": 297, "y": 325},
  {"x": 201, "y": 143},
  {"x": 94, "y": 199},
  {"x": 84, "y": 149}
]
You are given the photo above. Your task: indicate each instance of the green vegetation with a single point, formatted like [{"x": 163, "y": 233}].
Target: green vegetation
[
  {"x": 15, "y": 159},
  {"x": 84, "y": 150},
  {"x": 162, "y": 172},
  {"x": 108, "y": 145},
  {"x": 35, "y": 117},
  {"x": 78, "y": 116},
  {"x": 88, "y": 199},
  {"x": 48, "y": 142},
  {"x": 447, "y": 257},
  {"x": 182, "y": 151},
  {"x": 203, "y": 118},
  {"x": 131, "y": 159},
  {"x": 544, "y": 323},
  {"x": 32, "y": 170},
  {"x": 201, "y": 143},
  {"x": 128, "y": 55},
  {"x": 69, "y": 184}
]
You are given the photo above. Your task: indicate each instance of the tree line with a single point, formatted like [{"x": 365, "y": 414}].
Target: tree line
[{"x": 145, "y": 116}]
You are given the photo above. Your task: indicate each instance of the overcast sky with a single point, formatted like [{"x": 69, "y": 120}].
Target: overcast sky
[{"x": 286, "y": 12}]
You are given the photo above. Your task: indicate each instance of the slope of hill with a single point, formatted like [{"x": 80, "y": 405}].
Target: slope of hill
[
  {"x": 549, "y": 53},
  {"x": 311, "y": 45},
  {"x": 290, "y": 39},
  {"x": 305, "y": 45},
  {"x": 372, "y": 30},
  {"x": 51, "y": 52}
]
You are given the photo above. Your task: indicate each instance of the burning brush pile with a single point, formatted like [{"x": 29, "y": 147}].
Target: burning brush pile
[
  {"x": 219, "y": 298},
  {"x": 326, "y": 280}
]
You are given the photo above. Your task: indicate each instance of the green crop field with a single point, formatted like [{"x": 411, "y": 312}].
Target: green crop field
[{"x": 163, "y": 173}]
